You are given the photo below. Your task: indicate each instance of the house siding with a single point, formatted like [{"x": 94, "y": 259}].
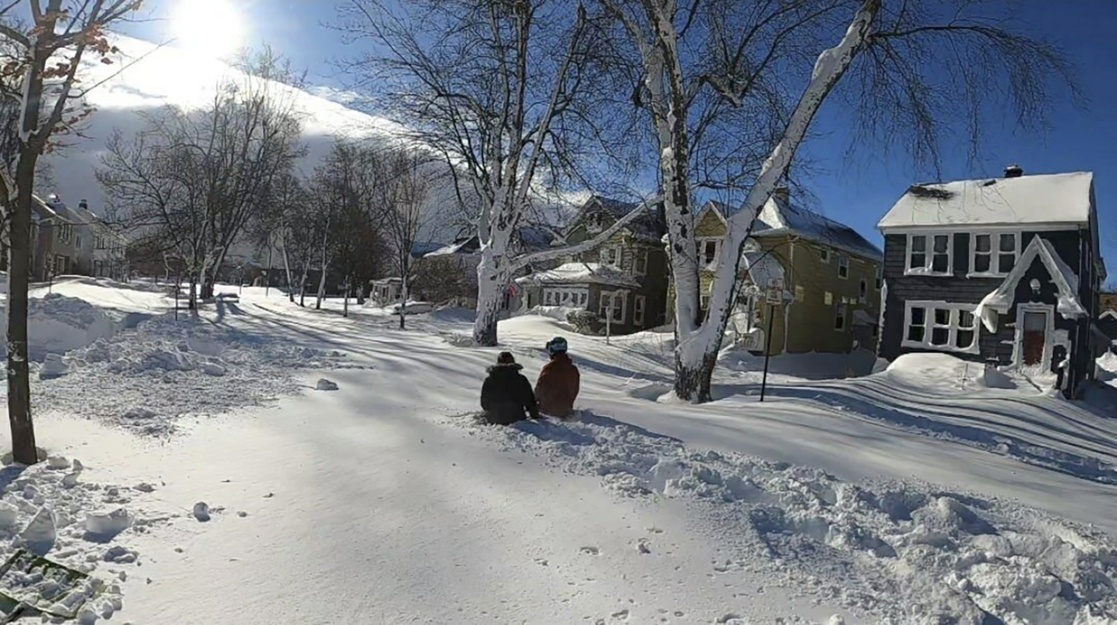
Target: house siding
[
  {"x": 653, "y": 283},
  {"x": 807, "y": 325},
  {"x": 1071, "y": 247}
]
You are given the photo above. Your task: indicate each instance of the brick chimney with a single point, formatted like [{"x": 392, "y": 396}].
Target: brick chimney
[{"x": 1013, "y": 171}]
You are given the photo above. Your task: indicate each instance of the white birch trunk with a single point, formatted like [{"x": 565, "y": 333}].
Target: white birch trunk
[
  {"x": 492, "y": 280},
  {"x": 697, "y": 348}
]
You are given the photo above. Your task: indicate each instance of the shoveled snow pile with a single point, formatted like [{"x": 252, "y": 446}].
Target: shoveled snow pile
[
  {"x": 164, "y": 369},
  {"x": 57, "y": 324},
  {"x": 904, "y": 553},
  {"x": 51, "y": 509},
  {"x": 946, "y": 373}
]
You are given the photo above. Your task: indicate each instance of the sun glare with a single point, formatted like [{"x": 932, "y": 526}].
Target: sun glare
[{"x": 213, "y": 28}]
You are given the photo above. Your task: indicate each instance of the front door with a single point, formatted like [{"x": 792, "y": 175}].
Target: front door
[{"x": 1034, "y": 337}]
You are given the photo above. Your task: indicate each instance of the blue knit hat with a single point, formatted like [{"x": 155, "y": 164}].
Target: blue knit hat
[{"x": 556, "y": 345}]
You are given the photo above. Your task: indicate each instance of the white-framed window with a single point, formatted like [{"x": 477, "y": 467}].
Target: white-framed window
[
  {"x": 569, "y": 297},
  {"x": 641, "y": 262},
  {"x": 843, "y": 266},
  {"x": 638, "y": 305},
  {"x": 942, "y": 326},
  {"x": 611, "y": 256},
  {"x": 824, "y": 255},
  {"x": 863, "y": 291},
  {"x": 993, "y": 253},
  {"x": 840, "y": 313},
  {"x": 828, "y": 298},
  {"x": 708, "y": 252},
  {"x": 930, "y": 254},
  {"x": 614, "y": 301}
]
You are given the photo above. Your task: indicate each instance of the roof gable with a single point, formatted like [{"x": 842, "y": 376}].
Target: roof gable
[
  {"x": 1045, "y": 198},
  {"x": 1066, "y": 281}
]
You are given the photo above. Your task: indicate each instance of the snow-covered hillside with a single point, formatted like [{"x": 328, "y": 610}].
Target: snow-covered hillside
[
  {"x": 209, "y": 461},
  {"x": 147, "y": 77}
]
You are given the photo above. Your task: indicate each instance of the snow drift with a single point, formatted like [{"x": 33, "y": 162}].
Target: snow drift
[
  {"x": 57, "y": 324},
  {"x": 907, "y": 553}
]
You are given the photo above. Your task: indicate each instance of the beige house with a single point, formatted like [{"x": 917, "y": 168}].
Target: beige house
[{"x": 830, "y": 275}]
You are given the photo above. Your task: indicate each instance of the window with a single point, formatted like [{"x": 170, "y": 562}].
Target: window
[
  {"x": 638, "y": 310},
  {"x": 828, "y": 298},
  {"x": 994, "y": 254},
  {"x": 800, "y": 293},
  {"x": 569, "y": 297},
  {"x": 843, "y": 266},
  {"x": 641, "y": 262},
  {"x": 708, "y": 251},
  {"x": 824, "y": 255},
  {"x": 863, "y": 291},
  {"x": 840, "y": 317},
  {"x": 613, "y": 302},
  {"x": 930, "y": 254},
  {"x": 611, "y": 256},
  {"x": 941, "y": 326},
  {"x": 880, "y": 277}
]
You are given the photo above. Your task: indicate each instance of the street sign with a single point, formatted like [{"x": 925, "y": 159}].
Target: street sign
[{"x": 774, "y": 294}]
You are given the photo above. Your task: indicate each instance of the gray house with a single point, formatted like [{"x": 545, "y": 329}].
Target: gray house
[{"x": 1002, "y": 271}]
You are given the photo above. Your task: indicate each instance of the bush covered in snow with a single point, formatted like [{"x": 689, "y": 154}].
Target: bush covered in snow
[{"x": 584, "y": 321}]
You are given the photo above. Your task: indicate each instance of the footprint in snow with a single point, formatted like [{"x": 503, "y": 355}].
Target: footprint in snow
[{"x": 591, "y": 551}]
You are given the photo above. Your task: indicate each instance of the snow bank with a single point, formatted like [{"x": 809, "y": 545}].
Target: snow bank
[
  {"x": 163, "y": 370},
  {"x": 58, "y": 324},
  {"x": 906, "y": 553},
  {"x": 947, "y": 374},
  {"x": 809, "y": 366}
]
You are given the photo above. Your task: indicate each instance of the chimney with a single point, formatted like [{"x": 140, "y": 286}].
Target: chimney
[
  {"x": 84, "y": 205},
  {"x": 1013, "y": 171},
  {"x": 782, "y": 195}
]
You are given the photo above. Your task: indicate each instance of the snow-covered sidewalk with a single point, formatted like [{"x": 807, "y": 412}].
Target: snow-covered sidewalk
[{"x": 381, "y": 502}]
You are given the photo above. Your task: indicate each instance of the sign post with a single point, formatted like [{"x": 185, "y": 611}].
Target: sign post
[{"x": 773, "y": 297}]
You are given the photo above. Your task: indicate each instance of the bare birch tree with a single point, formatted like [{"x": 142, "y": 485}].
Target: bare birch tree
[
  {"x": 505, "y": 92},
  {"x": 702, "y": 59},
  {"x": 59, "y": 38}
]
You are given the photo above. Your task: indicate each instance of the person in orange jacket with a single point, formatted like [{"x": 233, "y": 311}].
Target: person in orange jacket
[{"x": 558, "y": 383}]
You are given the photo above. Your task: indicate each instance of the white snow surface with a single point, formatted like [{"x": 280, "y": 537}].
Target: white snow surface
[
  {"x": 1044, "y": 198},
  {"x": 916, "y": 495}
]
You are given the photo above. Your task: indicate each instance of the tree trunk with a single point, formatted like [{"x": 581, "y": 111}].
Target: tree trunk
[
  {"x": 287, "y": 271},
  {"x": 345, "y": 306},
  {"x": 404, "y": 295},
  {"x": 491, "y": 283},
  {"x": 321, "y": 285},
  {"x": 193, "y": 302},
  {"x": 24, "y": 450},
  {"x": 693, "y": 376}
]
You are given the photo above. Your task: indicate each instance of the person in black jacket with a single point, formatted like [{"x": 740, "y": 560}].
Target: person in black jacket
[{"x": 507, "y": 396}]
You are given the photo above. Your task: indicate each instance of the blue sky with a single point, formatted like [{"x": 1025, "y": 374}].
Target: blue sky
[{"x": 856, "y": 191}]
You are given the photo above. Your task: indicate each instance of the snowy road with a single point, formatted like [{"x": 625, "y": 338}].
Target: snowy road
[{"x": 376, "y": 503}]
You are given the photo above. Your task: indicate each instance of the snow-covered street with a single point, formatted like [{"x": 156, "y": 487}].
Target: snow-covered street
[{"x": 916, "y": 495}]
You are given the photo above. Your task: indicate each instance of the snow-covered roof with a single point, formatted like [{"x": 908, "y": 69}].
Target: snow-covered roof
[
  {"x": 1066, "y": 281},
  {"x": 649, "y": 227},
  {"x": 581, "y": 273},
  {"x": 1046, "y": 198},
  {"x": 779, "y": 218},
  {"x": 468, "y": 245},
  {"x": 763, "y": 267}
]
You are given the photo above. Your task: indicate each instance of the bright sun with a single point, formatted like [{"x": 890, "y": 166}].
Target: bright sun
[{"x": 212, "y": 28}]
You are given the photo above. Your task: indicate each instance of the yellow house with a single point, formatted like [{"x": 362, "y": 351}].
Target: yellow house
[{"x": 830, "y": 275}]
